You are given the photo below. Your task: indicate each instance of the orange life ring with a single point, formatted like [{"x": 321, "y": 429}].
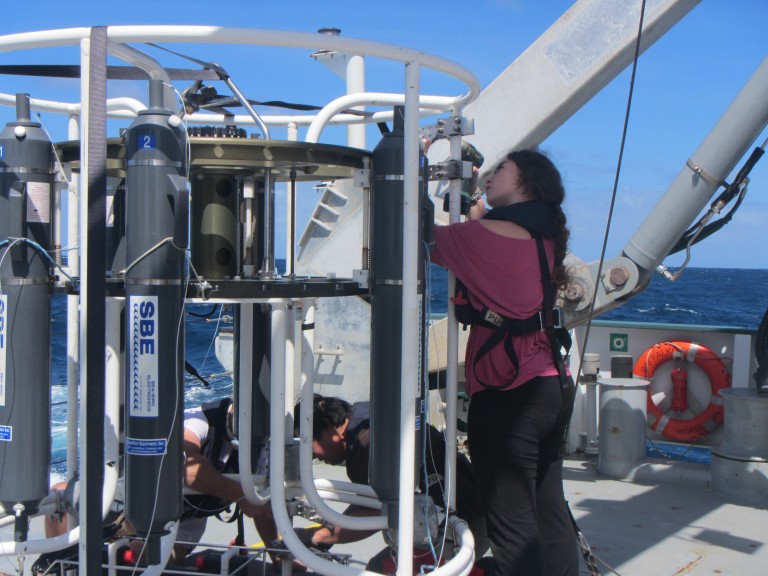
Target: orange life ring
[{"x": 719, "y": 378}]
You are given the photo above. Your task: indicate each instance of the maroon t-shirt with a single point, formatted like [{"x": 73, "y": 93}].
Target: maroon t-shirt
[{"x": 503, "y": 274}]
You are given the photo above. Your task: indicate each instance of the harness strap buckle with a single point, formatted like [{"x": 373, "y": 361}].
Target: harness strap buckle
[{"x": 557, "y": 318}]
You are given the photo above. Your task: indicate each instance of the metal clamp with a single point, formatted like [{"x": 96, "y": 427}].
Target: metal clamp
[
  {"x": 699, "y": 171},
  {"x": 446, "y": 127},
  {"x": 361, "y": 177},
  {"x": 450, "y": 170}
]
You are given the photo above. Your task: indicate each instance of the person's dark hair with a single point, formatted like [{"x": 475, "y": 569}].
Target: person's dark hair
[
  {"x": 328, "y": 411},
  {"x": 542, "y": 181}
]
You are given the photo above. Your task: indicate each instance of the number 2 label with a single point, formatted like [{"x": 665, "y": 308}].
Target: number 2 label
[{"x": 147, "y": 141}]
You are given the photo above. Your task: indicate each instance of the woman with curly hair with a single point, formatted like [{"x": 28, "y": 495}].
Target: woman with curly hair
[{"x": 510, "y": 259}]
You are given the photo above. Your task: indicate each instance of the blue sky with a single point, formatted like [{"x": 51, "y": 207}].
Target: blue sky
[{"x": 684, "y": 83}]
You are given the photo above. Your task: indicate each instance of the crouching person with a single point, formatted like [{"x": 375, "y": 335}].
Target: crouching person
[
  {"x": 210, "y": 448},
  {"x": 341, "y": 434}
]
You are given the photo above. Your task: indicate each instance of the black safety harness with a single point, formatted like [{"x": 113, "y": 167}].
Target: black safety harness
[
  {"x": 533, "y": 217},
  {"x": 204, "y": 505}
]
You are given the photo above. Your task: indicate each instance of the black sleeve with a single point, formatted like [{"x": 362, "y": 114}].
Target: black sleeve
[{"x": 358, "y": 451}]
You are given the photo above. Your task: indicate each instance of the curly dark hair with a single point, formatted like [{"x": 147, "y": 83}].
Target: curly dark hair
[{"x": 542, "y": 181}]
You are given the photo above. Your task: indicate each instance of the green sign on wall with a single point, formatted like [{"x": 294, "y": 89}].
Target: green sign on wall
[{"x": 619, "y": 343}]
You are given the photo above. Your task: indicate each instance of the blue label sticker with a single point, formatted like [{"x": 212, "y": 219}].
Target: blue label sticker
[
  {"x": 139, "y": 447},
  {"x": 147, "y": 141},
  {"x": 6, "y": 433}
]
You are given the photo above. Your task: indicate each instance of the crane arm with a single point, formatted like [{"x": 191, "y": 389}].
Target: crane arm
[{"x": 695, "y": 185}]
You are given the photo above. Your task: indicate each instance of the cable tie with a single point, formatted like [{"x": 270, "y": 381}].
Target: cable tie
[{"x": 699, "y": 171}]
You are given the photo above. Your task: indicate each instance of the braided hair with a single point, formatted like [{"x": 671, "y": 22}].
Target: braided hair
[{"x": 542, "y": 181}]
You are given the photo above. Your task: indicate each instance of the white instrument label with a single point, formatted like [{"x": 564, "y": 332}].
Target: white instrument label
[
  {"x": 38, "y": 202},
  {"x": 143, "y": 357}
]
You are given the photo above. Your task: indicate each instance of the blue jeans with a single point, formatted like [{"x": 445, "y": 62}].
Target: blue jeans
[{"x": 516, "y": 445}]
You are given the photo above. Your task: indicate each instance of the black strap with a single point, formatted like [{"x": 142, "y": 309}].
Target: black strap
[
  {"x": 505, "y": 328},
  {"x": 216, "y": 413},
  {"x": 557, "y": 337},
  {"x": 560, "y": 337},
  {"x": 113, "y": 72},
  {"x": 240, "y": 538},
  {"x": 192, "y": 371},
  {"x": 499, "y": 335}
]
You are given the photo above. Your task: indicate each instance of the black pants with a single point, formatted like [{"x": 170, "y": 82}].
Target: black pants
[{"x": 516, "y": 445}]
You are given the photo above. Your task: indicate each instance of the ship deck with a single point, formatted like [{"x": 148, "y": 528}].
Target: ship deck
[
  {"x": 678, "y": 526},
  {"x": 666, "y": 522}
]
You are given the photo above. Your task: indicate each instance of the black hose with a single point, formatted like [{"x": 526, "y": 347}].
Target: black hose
[
  {"x": 208, "y": 314},
  {"x": 737, "y": 187},
  {"x": 194, "y": 373}
]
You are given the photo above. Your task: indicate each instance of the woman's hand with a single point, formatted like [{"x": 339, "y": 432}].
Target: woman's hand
[
  {"x": 477, "y": 211},
  {"x": 477, "y": 207}
]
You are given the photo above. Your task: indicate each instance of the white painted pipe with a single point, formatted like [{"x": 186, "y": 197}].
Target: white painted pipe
[
  {"x": 43, "y": 38},
  {"x": 277, "y": 460},
  {"x": 128, "y": 108},
  {"x": 307, "y": 476},
  {"x": 452, "y": 352},
  {"x": 463, "y": 561},
  {"x": 310, "y": 41},
  {"x": 343, "y": 486},
  {"x": 249, "y": 195},
  {"x": 292, "y": 348},
  {"x": 205, "y": 118},
  {"x": 373, "y": 99},
  {"x": 43, "y": 545},
  {"x": 151, "y": 66},
  {"x": 73, "y": 312},
  {"x": 166, "y": 548},
  {"x": 410, "y": 346},
  {"x": 349, "y": 498},
  {"x": 356, "y": 84},
  {"x": 251, "y": 36},
  {"x": 309, "y": 306},
  {"x": 130, "y": 105}
]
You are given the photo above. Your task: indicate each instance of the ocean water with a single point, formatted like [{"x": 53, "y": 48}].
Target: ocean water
[
  {"x": 702, "y": 296},
  {"x": 730, "y": 297}
]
